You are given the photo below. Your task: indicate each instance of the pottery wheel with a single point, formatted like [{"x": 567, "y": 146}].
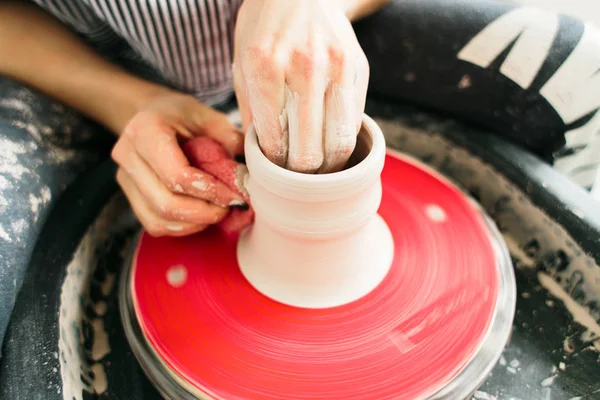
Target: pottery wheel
[{"x": 433, "y": 328}]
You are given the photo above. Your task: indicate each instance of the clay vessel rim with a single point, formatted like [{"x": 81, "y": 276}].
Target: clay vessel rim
[{"x": 272, "y": 171}]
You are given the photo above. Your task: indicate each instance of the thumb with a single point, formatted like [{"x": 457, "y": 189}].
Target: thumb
[{"x": 215, "y": 125}]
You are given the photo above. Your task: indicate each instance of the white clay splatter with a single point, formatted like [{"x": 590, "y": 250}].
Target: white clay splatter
[
  {"x": 70, "y": 316},
  {"x": 548, "y": 381},
  {"x": 18, "y": 226},
  {"x": 9, "y": 160},
  {"x": 17, "y": 105},
  {"x": 4, "y": 235},
  {"x": 30, "y": 128},
  {"x": 100, "y": 308},
  {"x": 577, "y": 212},
  {"x": 76, "y": 375},
  {"x": 520, "y": 255},
  {"x": 579, "y": 313},
  {"x": 100, "y": 383},
  {"x": 435, "y": 213},
  {"x": 108, "y": 284},
  {"x": 100, "y": 347},
  {"x": 479, "y": 395},
  {"x": 177, "y": 276},
  {"x": 465, "y": 82},
  {"x": 562, "y": 366},
  {"x": 515, "y": 363},
  {"x": 502, "y": 361},
  {"x": 37, "y": 201}
]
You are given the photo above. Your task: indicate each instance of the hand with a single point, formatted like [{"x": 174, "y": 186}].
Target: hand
[
  {"x": 301, "y": 76},
  {"x": 168, "y": 195}
]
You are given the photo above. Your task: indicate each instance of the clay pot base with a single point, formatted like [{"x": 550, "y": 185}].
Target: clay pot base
[{"x": 433, "y": 328}]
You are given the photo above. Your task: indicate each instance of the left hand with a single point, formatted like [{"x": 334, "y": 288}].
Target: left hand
[
  {"x": 169, "y": 195},
  {"x": 301, "y": 76}
]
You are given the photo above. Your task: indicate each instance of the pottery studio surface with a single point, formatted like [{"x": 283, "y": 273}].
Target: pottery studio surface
[{"x": 550, "y": 353}]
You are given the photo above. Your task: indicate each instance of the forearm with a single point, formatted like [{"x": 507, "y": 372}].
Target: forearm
[
  {"x": 357, "y": 9},
  {"x": 42, "y": 53}
]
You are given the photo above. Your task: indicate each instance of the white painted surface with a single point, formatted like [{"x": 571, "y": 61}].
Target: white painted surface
[{"x": 534, "y": 31}]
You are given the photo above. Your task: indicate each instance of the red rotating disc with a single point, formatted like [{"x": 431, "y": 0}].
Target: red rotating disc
[{"x": 405, "y": 340}]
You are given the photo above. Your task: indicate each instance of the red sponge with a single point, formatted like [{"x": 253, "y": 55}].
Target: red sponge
[{"x": 209, "y": 156}]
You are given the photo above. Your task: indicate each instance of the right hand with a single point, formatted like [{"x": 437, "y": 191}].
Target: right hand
[
  {"x": 169, "y": 196},
  {"x": 301, "y": 77}
]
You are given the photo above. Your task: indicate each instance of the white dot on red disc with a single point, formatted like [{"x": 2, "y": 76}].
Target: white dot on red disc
[
  {"x": 435, "y": 213},
  {"x": 177, "y": 276}
]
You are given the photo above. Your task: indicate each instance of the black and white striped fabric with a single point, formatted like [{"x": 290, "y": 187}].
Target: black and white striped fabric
[{"x": 190, "y": 42}]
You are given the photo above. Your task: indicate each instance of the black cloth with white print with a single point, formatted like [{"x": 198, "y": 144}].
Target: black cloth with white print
[{"x": 529, "y": 75}]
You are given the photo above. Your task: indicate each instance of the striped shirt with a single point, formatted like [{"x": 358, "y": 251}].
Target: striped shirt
[{"x": 189, "y": 42}]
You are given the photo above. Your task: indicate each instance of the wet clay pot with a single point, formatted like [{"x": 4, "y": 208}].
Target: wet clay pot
[{"x": 317, "y": 240}]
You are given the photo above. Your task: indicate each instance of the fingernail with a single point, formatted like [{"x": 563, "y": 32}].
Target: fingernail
[
  {"x": 243, "y": 206},
  {"x": 225, "y": 197},
  {"x": 237, "y": 201},
  {"x": 237, "y": 143},
  {"x": 174, "y": 227}
]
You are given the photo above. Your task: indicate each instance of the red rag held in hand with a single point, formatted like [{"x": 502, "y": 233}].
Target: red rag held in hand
[{"x": 209, "y": 156}]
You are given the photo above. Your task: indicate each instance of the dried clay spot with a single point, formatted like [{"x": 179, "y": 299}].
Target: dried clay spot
[
  {"x": 435, "y": 213},
  {"x": 174, "y": 227},
  {"x": 201, "y": 184},
  {"x": 177, "y": 276},
  {"x": 82, "y": 329}
]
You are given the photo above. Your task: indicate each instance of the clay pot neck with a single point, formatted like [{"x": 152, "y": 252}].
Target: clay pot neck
[{"x": 317, "y": 240}]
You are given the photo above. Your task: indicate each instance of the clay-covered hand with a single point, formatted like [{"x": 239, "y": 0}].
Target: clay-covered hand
[
  {"x": 169, "y": 196},
  {"x": 301, "y": 77}
]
